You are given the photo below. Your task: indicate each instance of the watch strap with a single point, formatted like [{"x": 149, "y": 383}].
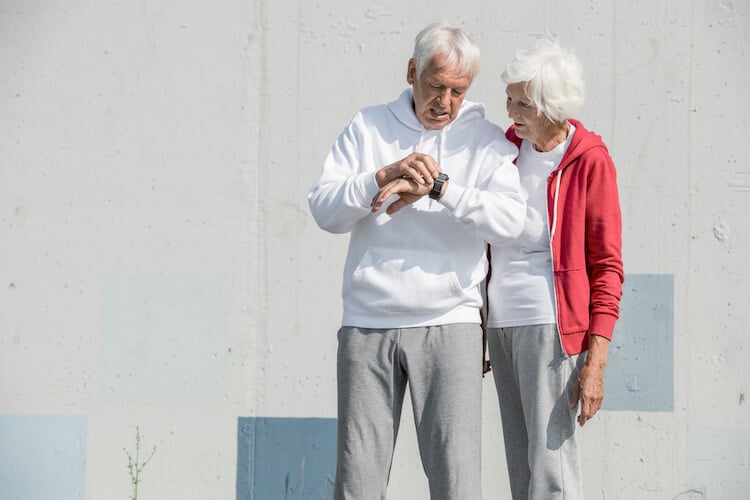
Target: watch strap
[{"x": 437, "y": 185}]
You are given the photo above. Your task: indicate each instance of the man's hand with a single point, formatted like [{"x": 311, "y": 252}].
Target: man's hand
[
  {"x": 407, "y": 190},
  {"x": 589, "y": 389},
  {"x": 409, "y": 178},
  {"x": 419, "y": 167}
]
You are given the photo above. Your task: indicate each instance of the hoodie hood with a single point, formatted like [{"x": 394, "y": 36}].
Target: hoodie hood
[
  {"x": 583, "y": 140},
  {"x": 403, "y": 110}
]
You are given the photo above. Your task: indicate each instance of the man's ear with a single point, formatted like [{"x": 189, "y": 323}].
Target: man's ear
[{"x": 411, "y": 72}]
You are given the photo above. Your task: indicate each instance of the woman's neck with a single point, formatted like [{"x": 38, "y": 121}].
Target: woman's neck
[{"x": 556, "y": 134}]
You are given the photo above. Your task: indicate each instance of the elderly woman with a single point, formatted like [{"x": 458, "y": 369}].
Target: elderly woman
[{"x": 554, "y": 292}]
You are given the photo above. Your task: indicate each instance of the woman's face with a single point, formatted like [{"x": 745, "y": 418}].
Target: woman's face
[{"x": 529, "y": 124}]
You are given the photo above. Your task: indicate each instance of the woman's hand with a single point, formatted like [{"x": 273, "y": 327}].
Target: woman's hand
[{"x": 589, "y": 388}]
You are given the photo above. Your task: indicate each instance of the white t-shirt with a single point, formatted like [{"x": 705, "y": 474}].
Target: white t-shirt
[{"x": 521, "y": 287}]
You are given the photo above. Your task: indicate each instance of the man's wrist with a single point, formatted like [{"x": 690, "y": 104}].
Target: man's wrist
[{"x": 380, "y": 177}]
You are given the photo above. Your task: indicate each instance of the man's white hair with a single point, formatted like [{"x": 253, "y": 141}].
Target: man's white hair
[{"x": 456, "y": 45}]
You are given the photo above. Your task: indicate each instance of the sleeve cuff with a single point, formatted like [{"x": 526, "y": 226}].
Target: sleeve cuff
[
  {"x": 602, "y": 325},
  {"x": 452, "y": 195}
]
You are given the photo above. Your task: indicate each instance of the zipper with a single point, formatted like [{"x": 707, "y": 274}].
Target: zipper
[{"x": 552, "y": 255}]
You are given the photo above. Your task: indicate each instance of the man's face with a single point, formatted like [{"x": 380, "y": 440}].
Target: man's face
[{"x": 438, "y": 92}]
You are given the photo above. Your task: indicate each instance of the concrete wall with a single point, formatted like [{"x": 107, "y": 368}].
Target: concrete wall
[{"x": 159, "y": 269}]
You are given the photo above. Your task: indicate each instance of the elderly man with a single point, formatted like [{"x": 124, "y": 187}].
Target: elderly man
[{"x": 422, "y": 184}]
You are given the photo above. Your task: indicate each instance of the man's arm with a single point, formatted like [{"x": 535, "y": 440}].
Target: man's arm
[
  {"x": 494, "y": 208},
  {"x": 345, "y": 193}
]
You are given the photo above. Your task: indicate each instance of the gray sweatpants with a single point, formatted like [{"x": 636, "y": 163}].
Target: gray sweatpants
[
  {"x": 535, "y": 381},
  {"x": 443, "y": 368}
]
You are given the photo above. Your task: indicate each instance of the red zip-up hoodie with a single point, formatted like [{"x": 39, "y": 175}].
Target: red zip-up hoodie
[{"x": 583, "y": 210}]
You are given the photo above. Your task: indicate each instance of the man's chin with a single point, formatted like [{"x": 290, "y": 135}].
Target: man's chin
[{"x": 435, "y": 123}]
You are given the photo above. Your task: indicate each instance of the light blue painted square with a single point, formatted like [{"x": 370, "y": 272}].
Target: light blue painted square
[
  {"x": 164, "y": 340},
  {"x": 43, "y": 457},
  {"x": 286, "y": 458},
  {"x": 640, "y": 368},
  {"x": 719, "y": 462}
]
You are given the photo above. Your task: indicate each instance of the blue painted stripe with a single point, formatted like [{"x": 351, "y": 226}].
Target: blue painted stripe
[
  {"x": 285, "y": 458},
  {"x": 640, "y": 368},
  {"x": 43, "y": 457}
]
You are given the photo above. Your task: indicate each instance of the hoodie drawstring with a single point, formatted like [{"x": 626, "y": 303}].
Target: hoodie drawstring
[
  {"x": 418, "y": 149},
  {"x": 554, "y": 206},
  {"x": 440, "y": 141}
]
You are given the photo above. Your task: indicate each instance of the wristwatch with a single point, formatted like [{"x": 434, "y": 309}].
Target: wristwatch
[{"x": 437, "y": 185}]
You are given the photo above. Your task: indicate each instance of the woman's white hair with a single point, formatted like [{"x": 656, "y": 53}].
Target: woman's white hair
[
  {"x": 453, "y": 43},
  {"x": 553, "y": 76}
]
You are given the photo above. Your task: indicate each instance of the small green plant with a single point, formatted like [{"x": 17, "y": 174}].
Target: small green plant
[{"x": 135, "y": 466}]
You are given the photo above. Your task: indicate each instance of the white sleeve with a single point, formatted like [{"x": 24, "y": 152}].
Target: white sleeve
[
  {"x": 343, "y": 193},
  {"x": 494, "y": 207}
]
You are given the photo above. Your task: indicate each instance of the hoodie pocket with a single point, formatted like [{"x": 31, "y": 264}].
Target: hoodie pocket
[
  {"x": 388, "y": 281},
  {"x": 573, "y": 295}
]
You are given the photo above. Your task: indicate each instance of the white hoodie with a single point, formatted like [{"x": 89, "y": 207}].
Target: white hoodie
[{"x": 423, "y": 266}]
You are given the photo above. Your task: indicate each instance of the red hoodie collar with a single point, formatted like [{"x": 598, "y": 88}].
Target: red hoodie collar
[{"x": 581, "y": 132}]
